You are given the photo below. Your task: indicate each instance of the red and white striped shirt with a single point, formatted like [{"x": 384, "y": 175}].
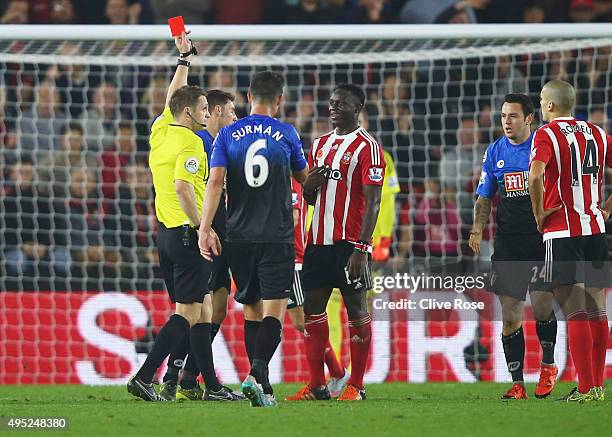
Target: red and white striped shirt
[
  {"x": 299, "y": 230},
  {"x": 576, "y": 154},
  {"x": 356, "y": 159}
]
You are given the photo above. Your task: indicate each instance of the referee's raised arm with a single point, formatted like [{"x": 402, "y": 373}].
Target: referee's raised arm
[{"x": 186, "y": 50}]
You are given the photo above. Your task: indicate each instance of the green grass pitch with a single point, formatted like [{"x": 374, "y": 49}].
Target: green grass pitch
[{"x": 391, "y": 409}]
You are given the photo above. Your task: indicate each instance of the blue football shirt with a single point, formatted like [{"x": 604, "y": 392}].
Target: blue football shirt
[
  {"x": 505, "y": 169},
  {"x": 259, "y": 153}
]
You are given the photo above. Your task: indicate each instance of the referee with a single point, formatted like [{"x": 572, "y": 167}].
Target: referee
[{"x": 180, "y": 168}]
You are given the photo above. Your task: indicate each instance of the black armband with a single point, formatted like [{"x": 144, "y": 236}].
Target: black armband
[{"x": 183, "y": 62}]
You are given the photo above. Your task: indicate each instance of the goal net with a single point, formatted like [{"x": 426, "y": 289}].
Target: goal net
[{"x": 81, "y": 295}]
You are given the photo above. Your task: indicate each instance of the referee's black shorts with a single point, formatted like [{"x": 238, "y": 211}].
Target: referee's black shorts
[
  {"x": 325, "y": 267},
  {"x": 184, "y": 270},
  {"x": 261, "y": 270},
  {"x": 517, "y": 265},
  {"x": 578, "y": 260}
]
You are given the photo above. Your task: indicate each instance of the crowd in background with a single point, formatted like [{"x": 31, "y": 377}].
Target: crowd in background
[
  {"x": 303, "y": 11},
  {"x": 76, "y": 205}
]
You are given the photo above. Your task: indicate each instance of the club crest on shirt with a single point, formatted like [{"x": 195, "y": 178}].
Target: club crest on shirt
[
  {"x": 501, "y": 163},
  {"x": 346, "y": 158},
  {"x": 376, "y": 174},
  {"x": 192, "y": 165}
]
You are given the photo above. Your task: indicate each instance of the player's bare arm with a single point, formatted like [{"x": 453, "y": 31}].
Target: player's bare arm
[
  {"x": 187, "y": 199},
  {"x": 208, "y": 240},
  {"x": 482, "y": 211},
  {"x": 536, "y": 193},
  {"x": 357, "y": 261},
  {"x": 301, "y": 175},
  {"x": 183, "y": 44}
]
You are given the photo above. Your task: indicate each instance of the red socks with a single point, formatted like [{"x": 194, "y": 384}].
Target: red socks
[
  {"x": 316, "y": 338},
  {"x": 581, "y": 348},
  {"x": 598, "y": 323},
  {"x": 361, "y": 336},
  {"x": 335, "y": 369}
]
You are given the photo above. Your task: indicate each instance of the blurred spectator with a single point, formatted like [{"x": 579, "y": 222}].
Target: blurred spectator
[
  {"x": 134, "y": 209},
  {"x": 436, "y": 228},
  {"x": 122, "y": 12},
  {"x": 459, "y": 165},
  {"x": 376, "y": 12},
  {"x": 581, "y": 11},
  {"x": 151, "y": 106},
  {"x": 117, "y": 158},
  {"x": 95, "y": 266},
  {"x": 305, "y": 12},
  {"x": 440, "y": 11},
  {"x": 39, "y": 125},
  {"x": 100, "y": 119},
  {"x": 591, "y": 72},
  {"x": 54, "y": 170},
  {"x": 193, "y": 11},
  {"x": 16, "y": 12},
  {"x": 62, "y": 12},
  {"x": 599, "y": 118},
  {"x": 320, "y": 128},
  {"x": 501, "y": 79},
  {"x": 34, "y": 227},
  {"x": 238, "y": 11},
  {"x": 534, "y": 14}
]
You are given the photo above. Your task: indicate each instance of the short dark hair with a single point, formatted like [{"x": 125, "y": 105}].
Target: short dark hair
[
  {"x": 71, "y": 126},
  {"x": 219, "y": 97},
  {"x": 185, "y": 96},
  {"x": 267, "y": 86},
  {"x": 356, "y": 91},
  {"x": 523, "y": 100}
]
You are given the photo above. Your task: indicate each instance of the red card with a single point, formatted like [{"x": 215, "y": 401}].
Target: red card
[{"x": 177, "y": 25}]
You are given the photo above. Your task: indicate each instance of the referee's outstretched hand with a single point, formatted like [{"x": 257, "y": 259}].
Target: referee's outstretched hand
[{"x": 209, "y": 243}]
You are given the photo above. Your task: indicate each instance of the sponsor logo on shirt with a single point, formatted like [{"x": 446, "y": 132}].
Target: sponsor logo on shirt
[
  {"x": 294, "y": 199},
  {"x": 516, "y": 183},
  {"x": 332, "y": 174},
  {"x": 192, "y": 165},
  {"x": 376, "y": 174}
]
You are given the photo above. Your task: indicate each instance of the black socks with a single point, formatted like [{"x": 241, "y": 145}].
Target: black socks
[
  {"x": 547, "y": 334},
  {"x": 165, "y": 343},
  {"x": 514, "y": 350}
]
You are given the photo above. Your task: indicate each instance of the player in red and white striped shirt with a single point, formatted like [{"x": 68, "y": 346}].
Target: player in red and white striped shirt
[
  {"x": 345, "y": 184},
  {"x": 295, "y": 306},
  {"x": 568, "y": 162}
]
